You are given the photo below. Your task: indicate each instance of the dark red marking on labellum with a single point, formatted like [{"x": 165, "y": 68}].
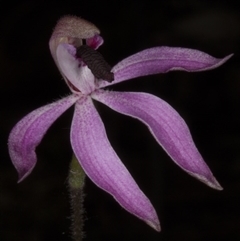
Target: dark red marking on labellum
[{"x": 95, "y": 62}]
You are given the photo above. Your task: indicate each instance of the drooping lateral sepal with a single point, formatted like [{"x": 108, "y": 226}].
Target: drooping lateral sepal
[
  {"x": 166, "y": 125},
  {"x": 102, "y": 165},
  {"x": 28, "y": 133}
]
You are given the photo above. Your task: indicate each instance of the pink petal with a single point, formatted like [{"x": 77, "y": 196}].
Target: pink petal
[
  {"x": 166, "y": 125},
  {"x": 161, "y": 60},
  {"x": 28, "y": 133},
  {"x": 100, "y": 162}
]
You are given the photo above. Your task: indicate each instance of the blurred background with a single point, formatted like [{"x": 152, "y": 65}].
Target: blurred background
[{"x": 38, "y": 208}]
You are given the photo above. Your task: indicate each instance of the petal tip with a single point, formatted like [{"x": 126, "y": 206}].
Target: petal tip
[
  {"x": 20, "y": 179},
  {"x": 154, "y": 224},
  {"x": 215, "y": 185},
  {"x": 23, "y": 174},
  {"x": 209, "y": 181},
  {"x": 225, "y": 59}
]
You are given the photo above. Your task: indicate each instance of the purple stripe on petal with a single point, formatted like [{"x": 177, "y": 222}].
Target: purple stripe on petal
[
  {"x": 102, "y": 165},
  {"x": 166, "y": 125},
  {"x": 28, "y": 133},
  {"x": 161, "y": 60}
]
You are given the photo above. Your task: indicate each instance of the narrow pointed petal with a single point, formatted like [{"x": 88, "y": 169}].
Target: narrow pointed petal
[
  {"x": 161, "y": 60},
  {"x": 166, "y": 125},
  {"x": 28, "y": 133},
  {"x": 102, "y": 165}
]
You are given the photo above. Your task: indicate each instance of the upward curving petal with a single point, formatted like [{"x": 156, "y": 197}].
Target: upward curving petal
[
  {"x": 161, "y": 60},
  {"x": 102, "y": 165},
  {"x": 166, "y": 125},
  {"x": 28, "y": 133}
]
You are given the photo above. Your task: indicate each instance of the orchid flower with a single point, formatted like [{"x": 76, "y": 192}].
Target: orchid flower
[{"x": 73, "y": 46}]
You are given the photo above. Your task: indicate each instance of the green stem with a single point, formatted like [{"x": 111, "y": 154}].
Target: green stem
[{"x": 76, "y": 182}]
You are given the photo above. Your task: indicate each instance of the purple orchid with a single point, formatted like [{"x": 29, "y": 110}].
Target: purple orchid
[{"x": 73, "y": 46}]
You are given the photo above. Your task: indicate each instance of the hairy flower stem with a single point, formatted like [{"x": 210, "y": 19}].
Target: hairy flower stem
[{"x": 76, "y": 182}]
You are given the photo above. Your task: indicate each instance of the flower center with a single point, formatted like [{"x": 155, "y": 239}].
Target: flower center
[{"x": 95, "y": 62}]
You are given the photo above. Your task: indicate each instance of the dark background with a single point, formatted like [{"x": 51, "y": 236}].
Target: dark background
[{"x": 38, "y": 208}]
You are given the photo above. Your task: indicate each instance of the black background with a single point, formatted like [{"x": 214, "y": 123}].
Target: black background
[{"x": 38, "y": 208}]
